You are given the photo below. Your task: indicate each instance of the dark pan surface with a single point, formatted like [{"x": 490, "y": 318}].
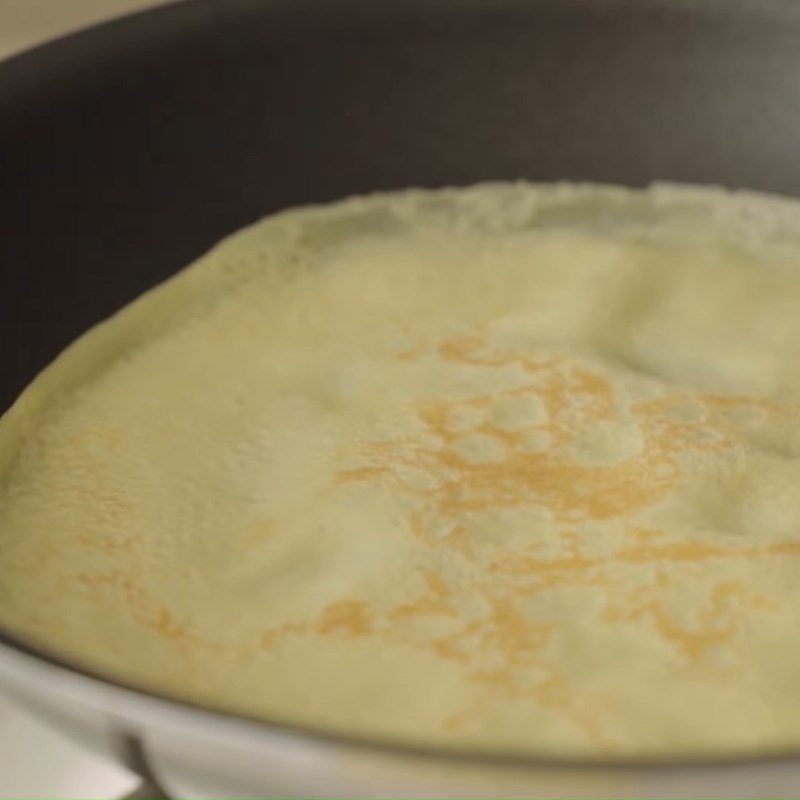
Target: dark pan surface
[{"x": 128, "y": 150}]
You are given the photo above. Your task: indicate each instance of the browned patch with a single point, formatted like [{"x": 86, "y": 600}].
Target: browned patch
[
  {"x": 434, "y": 600},
  {"x": 351, "y": 618},
  {"x": 674, "y": 429}
]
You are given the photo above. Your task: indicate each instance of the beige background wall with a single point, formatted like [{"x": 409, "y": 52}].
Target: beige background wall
[{"x": 25, "y": 22}]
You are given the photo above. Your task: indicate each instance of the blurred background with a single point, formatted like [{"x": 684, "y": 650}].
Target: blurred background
[{"x": 25, "y": 22}]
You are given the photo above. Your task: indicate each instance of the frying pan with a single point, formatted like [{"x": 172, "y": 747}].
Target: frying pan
[{"x": 127, "y": 150}]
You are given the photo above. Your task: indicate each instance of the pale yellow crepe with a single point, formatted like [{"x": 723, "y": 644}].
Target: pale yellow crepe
[{"x": 508, "y": 467}]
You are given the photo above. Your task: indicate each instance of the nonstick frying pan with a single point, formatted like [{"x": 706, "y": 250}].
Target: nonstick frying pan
[{"x": 127, "y": 150}]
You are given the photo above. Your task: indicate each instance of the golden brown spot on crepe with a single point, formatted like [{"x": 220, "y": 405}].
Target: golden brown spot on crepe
[
  {"x": 511, "y": 634},
  {"x": 717, "y": 625},
  {"x": 165, "y": 623},
  {"x": 567, "y": 487},
  {"x": 719, "y": 617},
  {"x": 354, "y": 619},
  {"x": 434, "y": 600},
  {"x": 341, "y": 618},
  {"x": 460, "y": 349},
  {"x": 571, "y": 490},
  {"x": 413, "y": 352},
  {"x": 694, "y": 643},
  {"x": 504, "y": 633},
  {"x": 580, "y": 569},
  {"x": 696, "y": 552},
  {"x": 268, "y": 638},
  {"x": 143, "y": 607},
  {"x": 517, "y": 564},
  {"x": 548, "y": 689}
]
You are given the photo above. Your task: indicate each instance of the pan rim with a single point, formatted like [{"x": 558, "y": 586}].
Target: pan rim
[{"x": 146, "y": 704}]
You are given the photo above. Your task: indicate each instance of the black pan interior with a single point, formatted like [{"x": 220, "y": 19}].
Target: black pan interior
[{"x": 128, "y": 150}]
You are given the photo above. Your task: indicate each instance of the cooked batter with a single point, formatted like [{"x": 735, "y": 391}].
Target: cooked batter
[{"x": 509, "y": 467}]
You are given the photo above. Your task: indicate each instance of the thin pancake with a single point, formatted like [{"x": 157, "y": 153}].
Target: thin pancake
[{"x": 508, "y": 466}]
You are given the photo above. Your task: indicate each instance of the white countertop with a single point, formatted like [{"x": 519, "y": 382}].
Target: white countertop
[{"x": 36, "y": 762}]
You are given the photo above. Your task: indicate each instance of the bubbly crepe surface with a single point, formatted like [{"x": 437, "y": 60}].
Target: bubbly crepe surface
[{"x": 510, "y": 467}]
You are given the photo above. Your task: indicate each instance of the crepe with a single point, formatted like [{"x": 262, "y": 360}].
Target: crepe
[{"x": 511, "y": 467}]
